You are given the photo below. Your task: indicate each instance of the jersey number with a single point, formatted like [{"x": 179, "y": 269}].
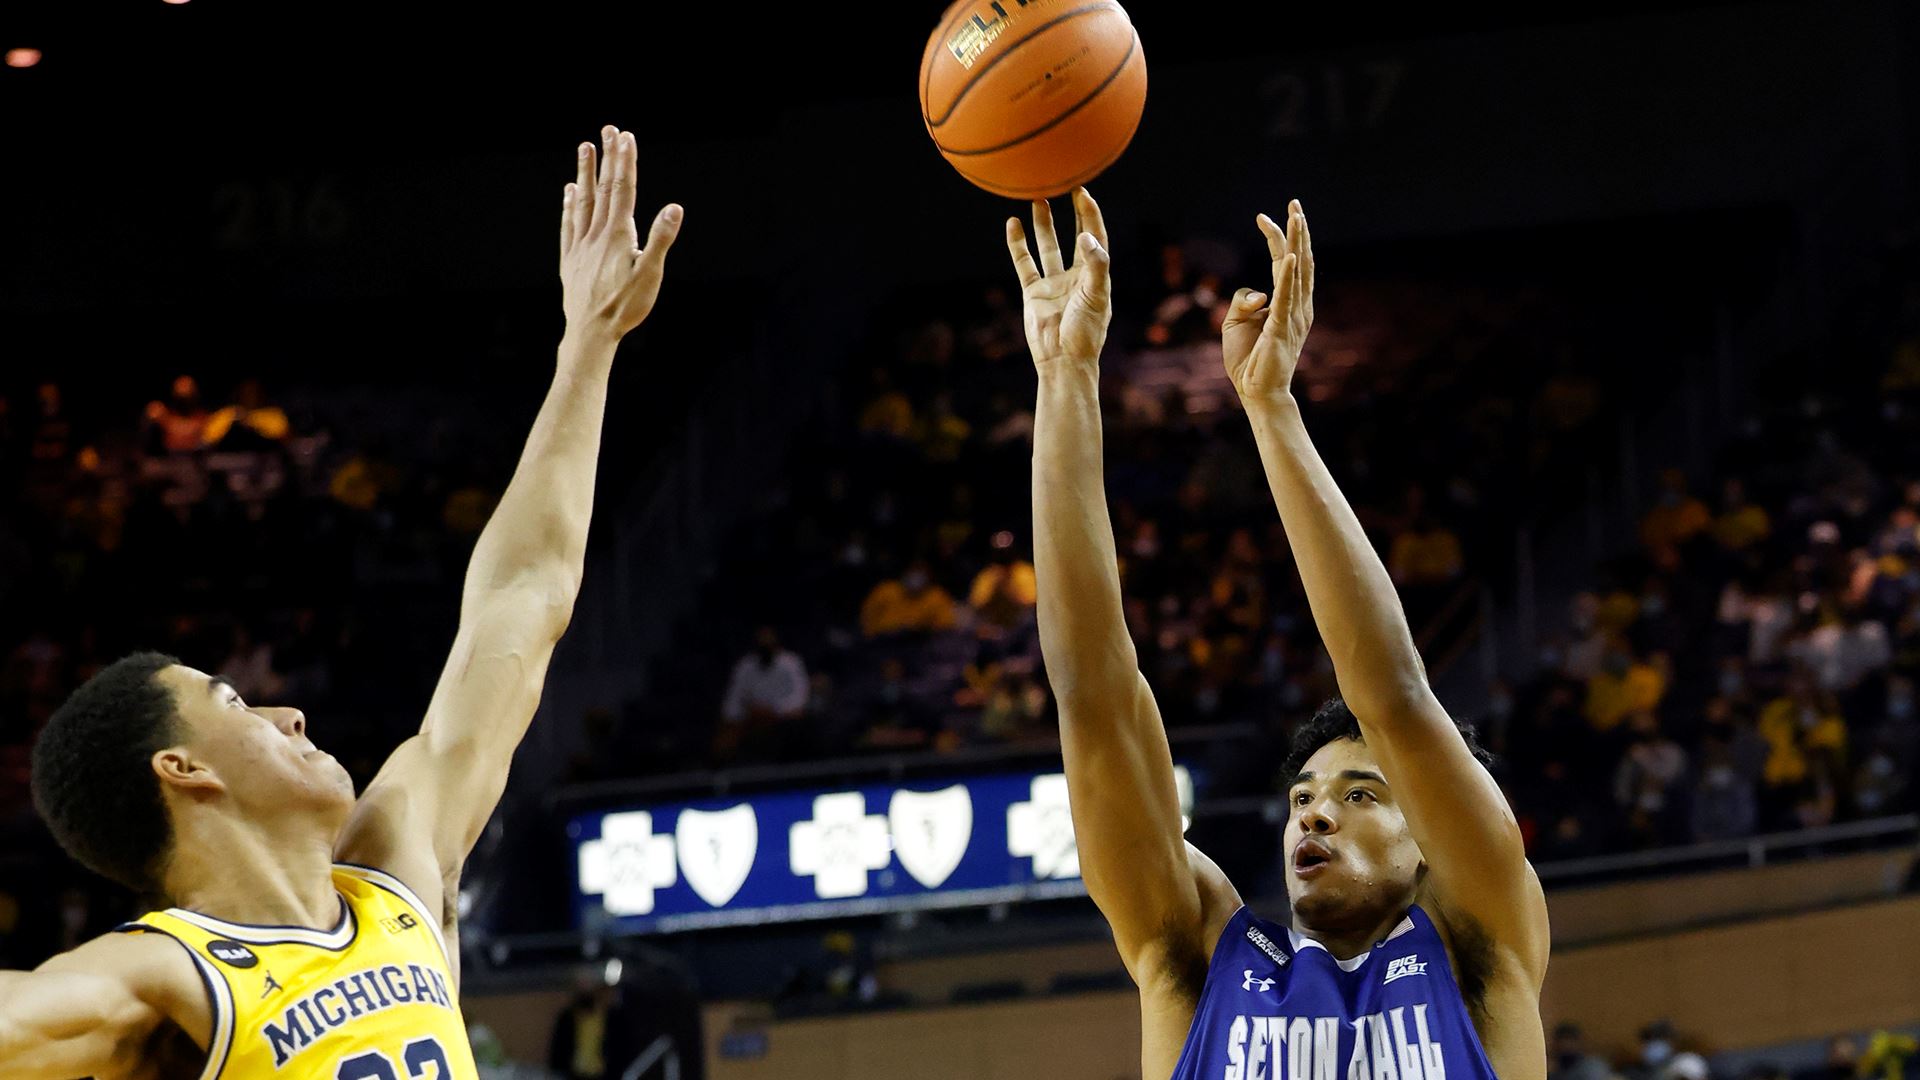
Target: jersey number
[{"x": 375, "y": 1065}]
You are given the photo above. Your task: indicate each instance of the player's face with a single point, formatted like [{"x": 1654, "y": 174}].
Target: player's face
[
  {"x": 261, "y": 757},
  {"x": 1350, "y": 858}
]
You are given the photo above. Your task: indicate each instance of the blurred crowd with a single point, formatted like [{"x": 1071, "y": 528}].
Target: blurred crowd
[
  {"x": 1661, "y": 1053},
  {"x": 1751, "y": 666},
  {"x": 236, "y": 532},
  {"x": 887, "y": 604}
]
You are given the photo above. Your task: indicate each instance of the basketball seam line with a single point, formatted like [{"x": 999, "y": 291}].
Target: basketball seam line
[
  {"x": 1085, "y": 9},
  {"x": 1056, "y": 121},
  {"x": 1073, "y": 183}
]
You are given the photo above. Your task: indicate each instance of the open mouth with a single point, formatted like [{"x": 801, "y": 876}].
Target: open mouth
[{"x": 1310, "y": 857}]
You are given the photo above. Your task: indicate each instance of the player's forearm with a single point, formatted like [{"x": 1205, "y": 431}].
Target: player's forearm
[
  {"x": 1083, "y": 630},
  {"x": 1352, "y": 597},
  {"x": 538, "y": 534}
]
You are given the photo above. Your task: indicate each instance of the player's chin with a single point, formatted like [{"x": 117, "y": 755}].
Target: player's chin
[{"x": 1316, "y": 901}]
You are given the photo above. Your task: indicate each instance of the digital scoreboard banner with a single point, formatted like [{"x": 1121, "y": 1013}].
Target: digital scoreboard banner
[{"x": 828, "y": 852}]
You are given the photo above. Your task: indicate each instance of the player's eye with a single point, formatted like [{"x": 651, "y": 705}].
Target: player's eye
[
  {"x": 1301, "y": 798},
  {"x": 1359, "y": 795}
]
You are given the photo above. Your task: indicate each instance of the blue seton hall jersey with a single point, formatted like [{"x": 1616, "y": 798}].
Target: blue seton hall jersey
[{"x": 1277, "y": 1006}]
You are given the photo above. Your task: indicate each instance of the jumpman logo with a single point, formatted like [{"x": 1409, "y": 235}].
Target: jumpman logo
[{"x": 272, "y": 985}]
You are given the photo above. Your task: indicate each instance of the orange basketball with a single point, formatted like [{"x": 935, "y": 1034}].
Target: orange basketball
[{"x": 1031, "y": 98}]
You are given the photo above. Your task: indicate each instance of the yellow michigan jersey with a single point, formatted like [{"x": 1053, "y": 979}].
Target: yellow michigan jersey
[{"x": 371, "y": 999}]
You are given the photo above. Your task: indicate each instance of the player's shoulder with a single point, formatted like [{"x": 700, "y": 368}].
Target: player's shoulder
[
  {"x": 134, "y": 950},
  {"x": 1184, "y": 955},
  {"x": 144, "y": 964}
]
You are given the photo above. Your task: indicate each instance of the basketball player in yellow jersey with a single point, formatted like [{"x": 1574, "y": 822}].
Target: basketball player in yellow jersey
[{"x": 312, "y": 936}]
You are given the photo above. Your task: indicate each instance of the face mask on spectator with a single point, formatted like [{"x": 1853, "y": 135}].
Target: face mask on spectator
[
  {"x": 1720, "y": 776},
  {"x": 915, "y": 580},
  {"x": 1900, "y": 704},
  {"x": 1732, "y": 681},
  {"x": 1655, "y": 1051},
  {"x": 1653, "y": 604}
]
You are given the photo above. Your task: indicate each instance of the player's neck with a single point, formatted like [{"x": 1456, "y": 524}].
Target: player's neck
[
  {"x": 1347, "y": 942},
  {"x": 277, "y": 873}
]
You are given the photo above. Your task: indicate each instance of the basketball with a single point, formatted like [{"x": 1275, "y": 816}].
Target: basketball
[{"x": 1032, "y": 98}]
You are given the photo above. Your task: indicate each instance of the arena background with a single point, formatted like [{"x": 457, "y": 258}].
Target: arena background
[{"x": 1619, "y": 356}]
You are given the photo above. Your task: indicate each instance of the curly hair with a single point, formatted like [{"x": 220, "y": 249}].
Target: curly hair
[
  {"x": 93, "y": 781},
  {"x": 1334, "y": 721}
]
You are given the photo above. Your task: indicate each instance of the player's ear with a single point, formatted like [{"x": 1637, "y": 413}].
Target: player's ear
[{"x": 179, "y": 769}]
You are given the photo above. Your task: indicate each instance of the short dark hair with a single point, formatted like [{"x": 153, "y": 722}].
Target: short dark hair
[
  {"x": 93, "y": 781},
  {"x": 1335, "y": 721}
]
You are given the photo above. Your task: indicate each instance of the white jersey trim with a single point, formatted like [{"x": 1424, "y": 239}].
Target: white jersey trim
[
  {"x": 1351, "y": 963},
  {"x": 219, "y": 996},
  {"x": 334, "y": 940}
]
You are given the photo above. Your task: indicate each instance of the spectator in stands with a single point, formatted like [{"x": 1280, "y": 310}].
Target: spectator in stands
[
  {"x": 1741, "y": 524},
  {"x": 1879, "y": 784},
  {"x": 1676, "y": 517},
  {"x": 1724, "y": 803},
  {"x": 1014, "y": 709},
  {"x": 1840, "y": 651},
  {"x": 577, "y": 1050},
  {"x": 1568, "y": 1059},
  {"x": 365, "y": 479},
  {"x": 888, "y": 414},
  {"x": 1590, "y": 641},
  {"x": 1648, "y": 778},
  {"x": 911, "y": 603},
  {"x": 179, "y": 423},
  {"x": 1801, "y": 725},
  {"x": 1624, "y": 686},
  {"x": 941, "y": 434},
  {"x": 1003, "y": 592},
  {"x": 249, "y": 420},
  {"x": 1889, "y": 1056},
  {"x": 1843, "y": 1061},
  {"x": 1662, "y": 1059},
  {"x": 769, "y": 684}
]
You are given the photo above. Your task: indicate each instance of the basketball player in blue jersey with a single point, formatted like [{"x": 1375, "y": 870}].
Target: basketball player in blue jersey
[
  {"x": 1417, "y": 940},
  {"x": 312, "y": 936}
]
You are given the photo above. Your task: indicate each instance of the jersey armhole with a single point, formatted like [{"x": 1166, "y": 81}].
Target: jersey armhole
[
  {"x": 380, "y": 879},
  {"x": 219, "y": 999}
]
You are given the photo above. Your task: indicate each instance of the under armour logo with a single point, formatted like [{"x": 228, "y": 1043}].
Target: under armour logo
[
  {"x": 272, "y": 985},
  {"x": 1251, "y": 983}
]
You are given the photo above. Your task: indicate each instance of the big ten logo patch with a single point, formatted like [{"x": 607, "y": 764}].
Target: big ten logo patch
[{"x": 400, "y": 923}]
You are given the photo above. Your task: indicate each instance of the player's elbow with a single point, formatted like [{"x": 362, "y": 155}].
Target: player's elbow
[
  {"x": 1398, "y": 700},
  {"x": 540, "y": 602}
]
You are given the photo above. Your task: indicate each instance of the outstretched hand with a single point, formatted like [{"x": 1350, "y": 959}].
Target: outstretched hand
[
  {"x": 608, "y": 281},
  {"x": 1067, "y": 309},
  {"x": 1262, "y": 336}
]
